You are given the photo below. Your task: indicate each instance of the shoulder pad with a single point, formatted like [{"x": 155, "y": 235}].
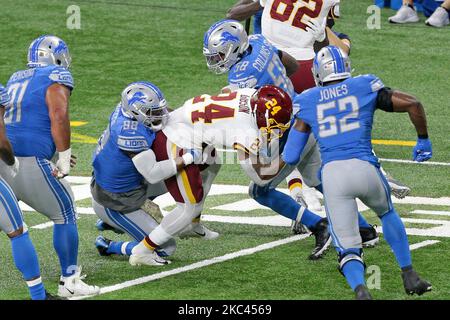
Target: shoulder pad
[{"x": 62, "y": 76}]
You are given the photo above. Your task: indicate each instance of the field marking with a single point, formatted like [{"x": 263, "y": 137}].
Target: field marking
[
  {"x": 43, "y": 225},
  {"x": 422, "y": 244},
  {"x": 394, "y": 143},
  {"x": 77, "y": 123},
  {"x": 428, "y": 163},
  {"x": 432, "y": 212},
  {"x": 81, "y": 138},
  {"x": 198, "y": 265}
]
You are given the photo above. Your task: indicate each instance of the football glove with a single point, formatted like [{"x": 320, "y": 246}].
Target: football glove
[
  {"x": 193, "y": 156},
  {"x": 64, "y": 163},
  {"x": 316, "y": 29},
  {"x": 422, "y": 151}
]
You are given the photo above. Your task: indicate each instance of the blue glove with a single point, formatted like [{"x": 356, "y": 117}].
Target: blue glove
[{"x": 422, "y": 151}]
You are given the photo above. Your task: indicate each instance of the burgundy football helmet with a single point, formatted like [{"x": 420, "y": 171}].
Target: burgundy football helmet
[{"x": 272, "y": 109}]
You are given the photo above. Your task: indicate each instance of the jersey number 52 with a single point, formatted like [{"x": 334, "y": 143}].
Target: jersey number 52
[
  {"x": 329, "y": 126},
  {"x": 283, "y": 10}
]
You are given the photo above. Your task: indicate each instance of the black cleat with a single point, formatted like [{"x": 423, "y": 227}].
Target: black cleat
[
  {"x": 362, "y": 293},
  {"x": 102, "y": 226},
  {"x": 49, "y": 296},
  {"x": 102, "y": 245},
  {"x": 414, "y": 284},
  {"x": 323, "y": 239},
  {"x": 369, "y": 236}
]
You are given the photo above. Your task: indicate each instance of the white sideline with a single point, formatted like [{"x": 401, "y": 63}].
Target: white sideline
[
  {"x": 422, "y": 244},
  {"x": 197, "y": 265}
]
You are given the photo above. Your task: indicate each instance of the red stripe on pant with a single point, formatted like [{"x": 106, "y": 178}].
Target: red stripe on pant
[
  {"x": 192, "y": 178},
  {"x": 303, "y": 78}
]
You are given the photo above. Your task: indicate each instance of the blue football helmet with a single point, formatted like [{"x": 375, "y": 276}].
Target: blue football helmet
[
  {"x": 331, "y": 64},
  {"x": 48, "y": 50},
  {"x": 144, "y": 102},
  {"x": 223, "y": 44}
]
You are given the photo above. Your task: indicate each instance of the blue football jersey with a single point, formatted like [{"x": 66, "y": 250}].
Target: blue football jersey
[
  {"x": 4, "y": 96},
  {"x": 261, "y": 65},
  {"x": 27, "y": 119},
  {"x": 114, "y": 170},
  {"x": 341, "y": 117}
]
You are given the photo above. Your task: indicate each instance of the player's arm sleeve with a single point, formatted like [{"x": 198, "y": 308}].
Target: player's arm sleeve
[
  {"x": 296, "y": 142},
  {"x": 4, "y": 96},
  {"x": 384, "y": 100},
  {"x": 154, "y": 171},
  {"x": 62, "y": 76}
]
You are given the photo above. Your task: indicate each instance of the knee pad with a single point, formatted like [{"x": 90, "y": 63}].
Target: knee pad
[{"x": 349, "y": 255}]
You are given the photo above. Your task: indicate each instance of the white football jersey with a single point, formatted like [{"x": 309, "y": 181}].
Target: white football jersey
[
  {"x": 223, "y": 121},
  {"x": 283, "y": 24}
]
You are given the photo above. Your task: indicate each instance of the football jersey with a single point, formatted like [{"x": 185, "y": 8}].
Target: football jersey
[
  {"x": 341, "y": 117},
  {"x": 259, "y": 66},
  {"x": 283, "y": 24},
  {"x": 114, "y": 170},
  {"x": 27, "y": 119},
  {"x": 223, "y": 121},
  {"x": 4, "y": 96}
]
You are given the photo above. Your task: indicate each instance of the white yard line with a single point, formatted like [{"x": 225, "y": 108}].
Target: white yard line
[
  {"x": 43, "y": 225},
  {"x": 422, "y": 244},
  {"x": 432, "y": 212},
  {"x": 428, "y": 163},
  {"x": 197, "y": 265}
]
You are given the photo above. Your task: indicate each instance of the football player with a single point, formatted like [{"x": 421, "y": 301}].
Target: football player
[
  {"x": 340, "y": 114},
  {"x": 242, "y": 120},
  {"x": 38, "y": 126},
  {"x": 11, "y": 220},
  {"x": 296, "y": 27},
  {"x": 245, "y": 9},
  {"x": 252, "y": 62},
  {"x": 126, "y": 173}
]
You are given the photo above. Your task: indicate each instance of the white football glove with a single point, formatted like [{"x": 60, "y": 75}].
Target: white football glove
[
  {"x": 192, "y": 156},
  {"x": 63, "y": 164},
  {"x": 14, "y": 168},
  {"x": 316, "y": 29}
]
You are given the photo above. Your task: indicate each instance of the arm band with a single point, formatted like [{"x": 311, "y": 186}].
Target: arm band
[
  {"x": 295, "y": 144},
  {"x": 152, "y": 170},
  {"x": 384, "y": 100}
]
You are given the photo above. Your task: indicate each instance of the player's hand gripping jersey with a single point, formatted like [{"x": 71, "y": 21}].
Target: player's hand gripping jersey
[
  {"x": 27, "y": 119},
  {"x": 342, "y": 119},
  {"x": 259, "y": 66},
  {"x": 283, "y": 24},
  {"x": 223, "y": 121}
]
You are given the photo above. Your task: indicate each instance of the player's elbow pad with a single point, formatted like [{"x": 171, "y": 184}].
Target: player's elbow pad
[
  {"x": 152, "y": 170},
  {"x": 295, "y": 144}
]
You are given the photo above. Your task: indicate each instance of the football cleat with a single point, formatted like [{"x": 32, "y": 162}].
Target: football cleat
[
  {"x": 398, "y": 189},
  {"x": 439, "y": 18},
  {"x": 296, "y": 226},
  {"x": 405, "y": 15},
  {"x": 362, "y": 293},
  {"x": 73, "y": 286},
  {"x": 148, "y": 259},
  {"x": 102, "y": 245},
  {"x": 369, "y": 237},
  {"x": 102, "y": 226},
  {"x": 49, "y": 296},
  {"x": 198, "y": 230},
  {"x": 310, "y": 196},
  {"x": 414, "y": 284},
  {"x": 323, "y": 239}
]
